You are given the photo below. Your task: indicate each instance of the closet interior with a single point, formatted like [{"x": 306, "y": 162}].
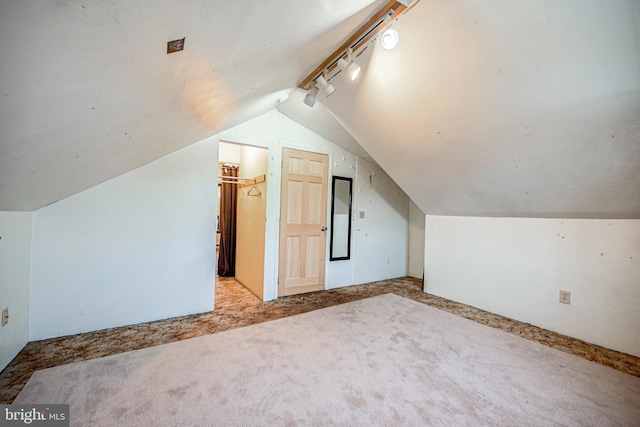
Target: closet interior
[{"x": 240, "y": 242}]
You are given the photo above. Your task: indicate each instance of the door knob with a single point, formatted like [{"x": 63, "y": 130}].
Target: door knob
[{"x": 323, "y": 228}]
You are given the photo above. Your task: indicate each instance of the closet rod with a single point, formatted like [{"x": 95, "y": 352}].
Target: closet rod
[
  {"x": 235, "y": 177},
  {"x": 242, "y": 181},
  {"x": 235, "y": 182}
]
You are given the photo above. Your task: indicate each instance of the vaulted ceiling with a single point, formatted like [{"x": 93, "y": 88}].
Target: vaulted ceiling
[
  {"x": 498, "y": 108},
  {"x": 88, "y": 92},
  {"x": 506, "y": 108}
]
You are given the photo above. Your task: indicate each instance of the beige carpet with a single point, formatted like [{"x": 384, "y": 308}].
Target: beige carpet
[{"x": 385, "y": 360}]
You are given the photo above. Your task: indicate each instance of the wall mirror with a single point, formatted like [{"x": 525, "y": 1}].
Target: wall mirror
[{"x": 340, "y": 245}]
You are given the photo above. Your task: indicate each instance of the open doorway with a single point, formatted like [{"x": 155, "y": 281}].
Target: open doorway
[{"x": 240, "y": 244}]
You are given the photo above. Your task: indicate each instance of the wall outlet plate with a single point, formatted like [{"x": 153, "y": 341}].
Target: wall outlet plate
[
  {"x": 5, "y": 316},
  {"x": 565, "y": 297}
]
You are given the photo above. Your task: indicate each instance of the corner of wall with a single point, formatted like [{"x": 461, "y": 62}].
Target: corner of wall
[
  {"x": 16, "y": 230},
  {"x": 417, "y": 221},
  {"x": 381, "y": 226}
]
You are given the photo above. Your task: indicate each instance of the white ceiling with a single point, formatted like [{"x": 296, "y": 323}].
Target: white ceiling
[
  {"x": 500, "y": 107},
  {"x": 320, "y": 120},
  {"x": 506, "y": 108},
  {"x": 87, "y": 91}
]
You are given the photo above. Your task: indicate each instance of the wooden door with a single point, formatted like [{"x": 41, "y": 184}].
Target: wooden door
[{"x": 303, "y": 219}]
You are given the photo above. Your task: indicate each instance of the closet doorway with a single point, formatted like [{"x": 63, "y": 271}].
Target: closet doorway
[{"x": 242, "y": 190}]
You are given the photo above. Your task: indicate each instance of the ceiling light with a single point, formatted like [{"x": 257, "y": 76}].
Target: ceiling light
[
  {"x": 310, "y": 98},
  {"x": 327, "y": 88},
  {"x": 389, "y": 38},
  {"x": 352, "y": 69},
  {"x": 367, "y": 33}
]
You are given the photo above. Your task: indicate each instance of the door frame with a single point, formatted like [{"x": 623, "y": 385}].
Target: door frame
[{"x": 268, "y": 194}]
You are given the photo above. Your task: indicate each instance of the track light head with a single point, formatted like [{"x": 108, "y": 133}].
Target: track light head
[
  {"x": 389, "y": 38},
  {"x": 351, "y": 68},
  {"x": 310, "y": 98},
  {"x": 327, "y": 88}
]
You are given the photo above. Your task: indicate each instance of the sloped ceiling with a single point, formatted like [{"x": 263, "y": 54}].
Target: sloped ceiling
[
  {"x": 87, "y": 91},
  {"x": 505, "y": 108},
  {"x": 321, "y": 121},
  {"x": 495, "y": 108}
]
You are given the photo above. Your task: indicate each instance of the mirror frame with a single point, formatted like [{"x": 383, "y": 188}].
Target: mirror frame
[{"x": 333, "y": 202}]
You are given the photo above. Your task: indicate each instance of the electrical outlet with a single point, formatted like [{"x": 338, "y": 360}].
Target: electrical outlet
[
  {"x": 565, "y": 297},
  {"x": 5, "y": 316}
]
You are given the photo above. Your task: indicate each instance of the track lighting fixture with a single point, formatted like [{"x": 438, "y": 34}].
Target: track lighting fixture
[
  {"x": 310, "y": 98},
  {"x": 389, "y": 38},
  {"x": 327, "y": 88},
  {"x": 351, "y": 68},
  {"x": 379, "y": 25}
]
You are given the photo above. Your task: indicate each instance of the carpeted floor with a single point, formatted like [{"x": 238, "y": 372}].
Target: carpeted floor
[
  {"x": 237, "y": 307},
  {"x": 379, "y": 361}
]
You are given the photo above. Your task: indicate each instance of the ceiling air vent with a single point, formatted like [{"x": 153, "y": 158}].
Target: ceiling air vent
[{"x": 175, "y": 45}]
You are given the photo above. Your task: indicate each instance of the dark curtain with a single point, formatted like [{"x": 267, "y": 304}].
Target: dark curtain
[{"x": 228, "y": 203}]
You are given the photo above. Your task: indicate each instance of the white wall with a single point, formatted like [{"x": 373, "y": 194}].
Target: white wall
[
  {"x": 517, "y": 266},
  {"x": 416, "y": 240},
  {"x": 275, "y": 131},
  {"x": 342, "y": 272},
  {"x": 15, "y": 276},
  {"x": 139, "y": 247},
  {"x": 229, "y": 153},
  {"x": 381, "y": 237}
]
